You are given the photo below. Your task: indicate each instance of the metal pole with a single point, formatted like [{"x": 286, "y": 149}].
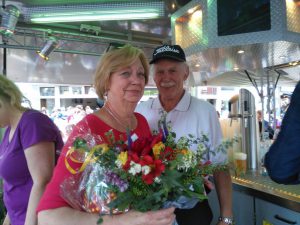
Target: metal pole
[{"x": 4, "y": 70}]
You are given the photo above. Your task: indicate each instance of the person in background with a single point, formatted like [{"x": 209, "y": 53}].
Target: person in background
[
  {"x": 27, "y": 154},
  {"x": 44, "y": 110},
  {"x": 218, "y": 113},
  {"x": 88, "y": 110},
  {"x": 282, "y": 161},
  {"x": 120, "y": 78},
  {"x": 285, "y": 100},
  {"x": 267, "y": 127},
  {"x": 187, "y": 115}
]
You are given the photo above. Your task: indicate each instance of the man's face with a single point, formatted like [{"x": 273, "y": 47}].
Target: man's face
[{"x": 169, "y": 76}]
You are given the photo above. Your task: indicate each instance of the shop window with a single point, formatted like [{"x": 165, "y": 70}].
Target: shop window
[
  {"x": 89, "y": 90},
  {"x": 47, "y": 91},
  {"x": 64, "y": 90},
  {"x": 76, "y": 90}
]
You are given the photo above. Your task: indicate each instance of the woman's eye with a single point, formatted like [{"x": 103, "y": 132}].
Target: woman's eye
[
  {"x": 141, "y": 74},
  {"x": 126, "y": 74}
]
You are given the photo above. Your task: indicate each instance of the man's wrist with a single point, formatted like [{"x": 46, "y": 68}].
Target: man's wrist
[{"x": 226, "y": 220}]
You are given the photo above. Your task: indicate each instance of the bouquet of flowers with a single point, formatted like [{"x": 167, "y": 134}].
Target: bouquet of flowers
[{"x": 144, "y": 174}]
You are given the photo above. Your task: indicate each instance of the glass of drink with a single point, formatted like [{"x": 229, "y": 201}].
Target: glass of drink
[{"x": 240, "y": 163}]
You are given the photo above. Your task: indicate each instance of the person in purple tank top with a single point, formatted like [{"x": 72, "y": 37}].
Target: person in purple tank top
[{"x": 27, "y": 155}]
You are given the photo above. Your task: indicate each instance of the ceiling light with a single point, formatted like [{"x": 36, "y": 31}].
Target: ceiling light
[
  {"x": 192, "y": 10},
  {"x": 10, "y": 17},
  {"x": 282, "y": 57},
  {"x": 294, "y": 63},
  {"x": 240, "y": 51},
  {"x": 284, "y": 65},
  {"x": 98, "y": 12},
  {"x": 235, "y": 68},
  {"x": 50, "y": 45},
  {"x": 297, "y": 2}
]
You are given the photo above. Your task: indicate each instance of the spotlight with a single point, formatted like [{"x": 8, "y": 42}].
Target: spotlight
[
  {"x": 49, "y": 47},
  {"x": 10, "y": 17}
]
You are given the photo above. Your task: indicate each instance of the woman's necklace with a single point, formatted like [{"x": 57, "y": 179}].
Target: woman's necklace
[{"x": 116, "y": 118}]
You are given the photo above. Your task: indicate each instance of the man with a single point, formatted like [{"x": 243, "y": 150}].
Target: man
[
  {"x": 267, "y": 127},
  {"x": 283, "y": 158},
  {"x": 187, "y": 115}
]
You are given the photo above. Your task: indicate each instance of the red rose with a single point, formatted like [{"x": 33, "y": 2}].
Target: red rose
[
  {"x": 157, "y": 138},
  {"x": 147, "y": 160},
  {"x": 138, "y": 145},
  {"x": 168, "y": 153},
  {"x": 159, "y": 167},
  {"x": 148, "y": 179}
]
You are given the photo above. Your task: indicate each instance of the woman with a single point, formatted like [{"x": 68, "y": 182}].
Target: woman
[
  {"x": 120, "y": 77},
  {"x": 27, "y": 154}
]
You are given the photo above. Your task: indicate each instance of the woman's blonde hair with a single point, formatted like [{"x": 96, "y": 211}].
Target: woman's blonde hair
[
  {"x": 10, "y": 93},
  {"x": 114, "y": 60}
]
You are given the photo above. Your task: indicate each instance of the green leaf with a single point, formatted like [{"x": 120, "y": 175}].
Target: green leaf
[{"x": 100, "y": 220}]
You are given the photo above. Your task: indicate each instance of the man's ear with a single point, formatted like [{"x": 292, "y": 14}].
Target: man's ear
[{"x": 187, "y": 72}]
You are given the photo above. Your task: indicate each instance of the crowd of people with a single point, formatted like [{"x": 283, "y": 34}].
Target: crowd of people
[{"x": 66, "y": 118}]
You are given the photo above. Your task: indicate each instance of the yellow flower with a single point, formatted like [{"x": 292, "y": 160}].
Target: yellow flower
[
  {"x": 122, "y": 157},
  {"x": 184, "y": 151},
  {"x": 157, "y": 149},
  {"x": 103, "y": 147}
]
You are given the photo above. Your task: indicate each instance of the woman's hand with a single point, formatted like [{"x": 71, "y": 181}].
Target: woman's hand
[{"x": 160, "y": 217}]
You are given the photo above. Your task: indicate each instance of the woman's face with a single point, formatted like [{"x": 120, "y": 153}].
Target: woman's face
[
  {"x": 4, "y": 112},
  {"x": 127, "y": 84}
]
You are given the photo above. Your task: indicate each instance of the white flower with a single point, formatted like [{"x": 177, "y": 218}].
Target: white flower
[
  {"x": 157, "y": 180},
  {"x": 118, "y": 163},
  {"x": 135, "y": 168},
  {"x": 146, "y": 170}
]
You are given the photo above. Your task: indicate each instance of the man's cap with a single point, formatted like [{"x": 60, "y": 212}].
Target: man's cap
[{"x": 168, "y": 52}]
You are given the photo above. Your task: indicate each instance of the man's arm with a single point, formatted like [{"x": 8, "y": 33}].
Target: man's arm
[{"x": 224, "y": 191}]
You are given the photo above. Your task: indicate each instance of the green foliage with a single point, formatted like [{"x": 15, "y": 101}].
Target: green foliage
[{"x": 2, "y": 207}]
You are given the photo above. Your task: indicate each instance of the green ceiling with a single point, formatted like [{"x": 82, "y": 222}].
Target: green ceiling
[{"x": 63, "y": 2}]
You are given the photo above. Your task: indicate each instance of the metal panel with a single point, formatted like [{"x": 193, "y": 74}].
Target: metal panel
[{"x": 211, "y": 55}]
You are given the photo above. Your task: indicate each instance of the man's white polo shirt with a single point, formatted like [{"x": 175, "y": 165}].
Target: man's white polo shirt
[{"x": 190, "y": 116}]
